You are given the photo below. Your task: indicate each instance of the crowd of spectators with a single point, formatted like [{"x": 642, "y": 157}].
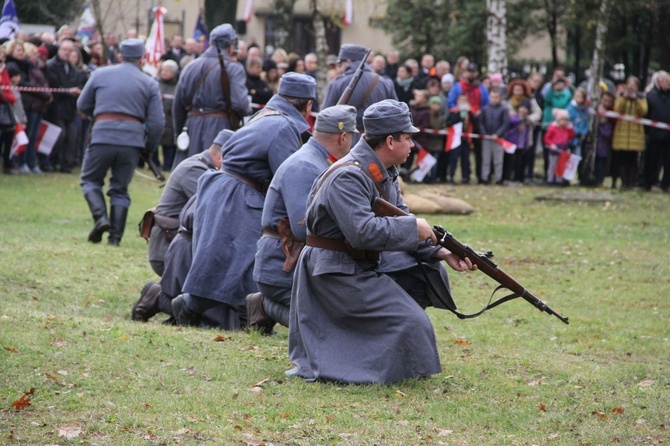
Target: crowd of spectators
[{"x": 539, "y": 118}]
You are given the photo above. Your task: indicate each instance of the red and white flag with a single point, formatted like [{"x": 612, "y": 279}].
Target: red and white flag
[
  {"x": 454, "y": 135},
  {"x": 424, "y": 162},
  {"x": 348, "y": 13},
  {"x": 47, "y": 138},
  {"x": 509, "y": 146},
  {"x": 248, "y": 11},
  {"x": 20, "y": 140},
  {"x": 154, "y": 47},
  {"x": 567, "y": 164}
]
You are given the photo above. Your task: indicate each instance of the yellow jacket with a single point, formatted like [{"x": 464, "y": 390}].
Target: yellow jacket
[{"x": 629, "y": 135}]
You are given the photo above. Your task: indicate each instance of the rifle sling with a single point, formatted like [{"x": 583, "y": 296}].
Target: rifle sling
[{"x": 367, "y": 94}]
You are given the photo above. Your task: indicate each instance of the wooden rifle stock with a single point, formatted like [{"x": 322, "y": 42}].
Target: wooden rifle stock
[
  {"x": 146, "y": 157},
  {"x": 233, "y": 117},
  {"x": 346, "y": 95},
  {"x": 383, "y": 208}
]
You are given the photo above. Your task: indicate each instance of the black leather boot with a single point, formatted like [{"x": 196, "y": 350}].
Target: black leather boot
[
  {"x": 257, "y": 318},
  {"x": 98, "y": 208},
  {"x": 118, "y": 225},
  {"x": 147, "y": 306}
]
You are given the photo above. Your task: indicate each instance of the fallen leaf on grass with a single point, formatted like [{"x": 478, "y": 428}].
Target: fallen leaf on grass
[
  {"x": 69, "y": 432},
  {"x": 542, "y": 407},
  {"x": 192, "y": 419},
  {"x": 255, "y": 389},
  {"x": 22, "y": 402},
  {"x": 62, "y": 372},
  {"x": 462, "y": 342},
  {"x": 646, "y": 383},
  {"x": 261, "y": 382},
  {"x": 617, "y": 410},
  {"x": 221, "y": 338},
  {"x": 535, "y": 383},
  {"x": 11, "y": 349},
  {"x": 182, "y": 431},
  {"x": 191, "y": 370},
  {"x": 58, "y": 343},
  {"x": 443, "y": 432},
  {"x": 600, "y": 415},
  {"x": 399, "y": 393},
  {"x": 552, "y": 436},
  {"x": 330, "y": 418}
]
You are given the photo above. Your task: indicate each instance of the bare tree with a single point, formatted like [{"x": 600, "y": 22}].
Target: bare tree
[{"x": 496, "y": 28}]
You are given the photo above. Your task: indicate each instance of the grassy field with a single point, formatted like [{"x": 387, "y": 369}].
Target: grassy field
[{"x": 514, "y": 376}]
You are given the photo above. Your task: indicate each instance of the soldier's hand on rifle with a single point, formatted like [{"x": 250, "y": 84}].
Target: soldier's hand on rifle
[
  {"x": 455, "y": 262},
  {"x": 425, "y": 231}
]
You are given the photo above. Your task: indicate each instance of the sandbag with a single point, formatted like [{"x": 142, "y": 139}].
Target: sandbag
[
  {"x": 421, "y": 205},
  {"x": 447, "y": 204}
]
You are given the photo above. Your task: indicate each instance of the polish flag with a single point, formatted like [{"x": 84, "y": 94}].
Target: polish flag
[
  {"x": 454, "y": 135},
  {"x": 566, "y": 167},
  {"x": 509, "y": 146},
  {"x": 154, "y": 47},
  {"x": 348, "y": 13},
  {"x": 249, "y": 11},
  {"x": 424, "y": 162}
]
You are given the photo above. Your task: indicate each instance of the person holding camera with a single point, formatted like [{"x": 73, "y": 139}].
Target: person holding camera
[{"x": 629, "y": 138}]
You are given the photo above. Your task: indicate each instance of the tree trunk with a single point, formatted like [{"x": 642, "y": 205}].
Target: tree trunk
[
  {"x": 321, "y": 48},
  {"x": 97, "y": 13},
  {"x": 586, "y": 169},
  {"x": 552, "y": 29},
  {"x": 496, "y": 27},
  {"x": 284, "y": 24}
]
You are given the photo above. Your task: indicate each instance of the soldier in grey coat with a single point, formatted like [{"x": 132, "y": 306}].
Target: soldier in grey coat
[
  {"x": 231, "y": 201},
  {"x": 199, "y": 102},
  {"x": 287, "y": 199},
  {"x": 349, "y": 322},
  {"x": 128, "y": 119},
  {"x": 370, "y": 89}
]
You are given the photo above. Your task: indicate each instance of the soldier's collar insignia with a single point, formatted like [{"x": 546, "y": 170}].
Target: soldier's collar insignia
[
  {"x": 376, "y": 173},
  {"x": 332, "y": 159}
]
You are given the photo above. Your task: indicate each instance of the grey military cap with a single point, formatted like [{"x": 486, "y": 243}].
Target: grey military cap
[
  {"x": 132, "y": 48},
  {"x": 387, "y": 117},
  {"x": 336, "y": 119},
  {"x": 351, "y": 52},
  {"x": 297, "y": 85},
  {"x": 224, "y": 35},
  {"x": 223, "y": 136}
]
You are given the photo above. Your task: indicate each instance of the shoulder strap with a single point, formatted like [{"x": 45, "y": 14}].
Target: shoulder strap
[
  {"x": 264, "y": 113},
  {"x": 367, "y": 94},
  {"x": 332, "y": 170},
  {"x": 201, "y": 81}
]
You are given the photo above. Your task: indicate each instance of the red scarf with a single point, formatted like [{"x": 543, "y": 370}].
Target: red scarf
[{"x": 473, "y": 93}]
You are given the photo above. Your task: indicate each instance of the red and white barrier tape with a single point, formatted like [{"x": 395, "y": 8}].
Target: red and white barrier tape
[
  {"x": 629, "y": 118},
  {"x": 37, "y": 89}
]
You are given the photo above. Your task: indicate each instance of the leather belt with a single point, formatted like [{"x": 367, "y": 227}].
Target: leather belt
[
  {"x": 218, "y": 114},
  {"x": 256, "y": 185},
  {"x": 116, "y": 117},
  {"x": 270, "y": 233},
  {"x": 342, "y": 245}
]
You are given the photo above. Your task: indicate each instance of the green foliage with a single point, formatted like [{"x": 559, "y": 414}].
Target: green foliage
[
  {"x": 53, "y": 12},
  {"x": 514, "y": 376}
]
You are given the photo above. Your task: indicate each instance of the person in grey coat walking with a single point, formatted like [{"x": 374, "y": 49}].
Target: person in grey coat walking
[
  {"x": 348, "y": 321},
  {"x": 199, "y": 103},
  {"x": 286, "y": 202},
  {"x": 128, "y": 119},
  {"x": 231, "y": 201}
]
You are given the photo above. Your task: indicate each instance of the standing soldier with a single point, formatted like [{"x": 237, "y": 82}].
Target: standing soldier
[
  {"x": 128, "y": 119},
  {"x": 201, "y": 102},
  {"x": 284, "y": 207},
  {"x": 370, "y": 89},
  {"x": 227, "y": 221}
]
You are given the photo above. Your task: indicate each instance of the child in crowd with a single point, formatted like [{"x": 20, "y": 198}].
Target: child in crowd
[
  {"x": 578, "y": 110},
  {"x": 460, "y": 113},
  {"x": 604, "y": 142},
  {"x": 493, "y": 122},
  {"x": 435, "y": 143},
  {"x": 520, "y": 133},
  {"x": 14, "y": 78},
  {"x": 421, "y": 118},
  {"x": 557, "y": 139}
]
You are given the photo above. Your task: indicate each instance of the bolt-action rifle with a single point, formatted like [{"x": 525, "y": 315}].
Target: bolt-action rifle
[
  {"x": 346, "y": 95},
  {"x": 383, "y": 208}
]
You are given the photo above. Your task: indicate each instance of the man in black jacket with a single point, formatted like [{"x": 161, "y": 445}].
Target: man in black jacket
[
  {"x": 658, "y": 142},
  {"x": 60, "y": 73}
]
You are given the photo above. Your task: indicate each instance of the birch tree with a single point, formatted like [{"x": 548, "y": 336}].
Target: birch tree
[{"x": 496, "y": 28}]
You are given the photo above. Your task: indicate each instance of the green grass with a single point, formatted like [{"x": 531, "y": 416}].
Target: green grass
[{"x": 516, "y": 376}]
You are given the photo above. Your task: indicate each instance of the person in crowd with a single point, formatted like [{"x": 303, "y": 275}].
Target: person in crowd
[
  {"x": 485, "y": 80},
  {"x": 537, "y": 98},
  {"x": 497, "y": 82},
  {"x": 339, "y": 283},
  {"x": 629, "y": 138},
  {"x": 520, "y": 133},
  {"x": 283, "y": 217},
  {"x": 14, "y": 73},
  {"x": 557, "y": 98},
  {"x": 557, "y": 139},
  {"x": 200, "y": 104},
  {"x": 124, "y": 125},
  {"x": 493, "y": 122},
  {"x": 435, "y": 143},
  {"x": 461, "y": 153},
  {"x": 604, "y": 141},
  {"x": 442, "y": 67},
  {"x": 370, "y": 89},
  {"x": 296, "y": 65},
  {"x": 113, "y": 53},
  {"x": 62, "y": 112},
  {"x": 392, "y": 64},
  {"x": 240, "y": 55},
  {"x": 478, "y": 97},
  {"x": 270, "y": 75},
  {"x": 420, "y": 111},
  {"x": 167, "y": 83},
  {"x": 83, "y": 123},
  {"x": 7, "y": 119},
  {"x": 179, "y": 189},
  {"x": 425, "y": 71},
  {"x": 556, "y": 74},
  {"x": 35, "y": 104},
  {"x": 657, "y": 154},
  {"x": 578, "y": 110},
  {"x": 259, "y": 90},
  {"x": 404, "y": 84},
  {"x": 280, "y": 56},
  {"x": 250, "y": 159},
  {"x": 312, "y": 64},
  {"x": 176, "y": 50},
  {"x": 446, "y": 83},
  {"x": 460, "y": 67},
  {"x": 522, "y": 163},
  {"x": 379, "y": 65}
]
